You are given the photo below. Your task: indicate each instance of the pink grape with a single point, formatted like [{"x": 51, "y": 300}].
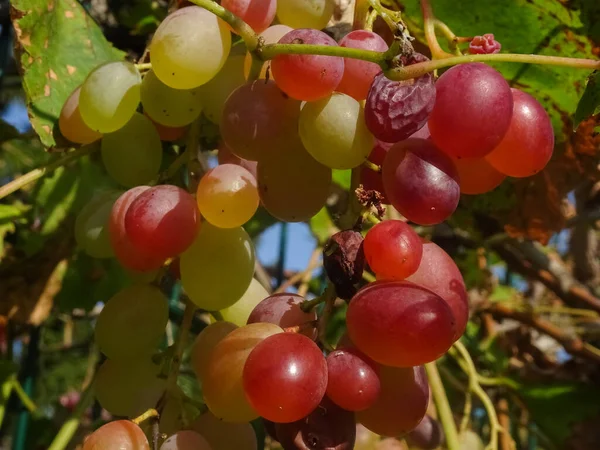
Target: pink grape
[
  {"x": 307, "y": 77},
  {"x": 283, "y": 309},
  {"x": 358, "y": 75},
  {"x": 257, "y": 13},
  {"x": 285, "y": 377},
  {"x": 472, "y": 111},
  {"x": 121, "y": 434}
]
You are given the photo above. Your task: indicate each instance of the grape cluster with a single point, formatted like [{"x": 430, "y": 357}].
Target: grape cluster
[{"x": 283, "y": 131}]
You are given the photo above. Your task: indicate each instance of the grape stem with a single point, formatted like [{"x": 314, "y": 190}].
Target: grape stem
[
  {"x": 369, "y": 165},
  {"x": 143, "y": 66},
  {"x": 145, "y": 416},
  {"x": 429, "y": 25},
  {"x": 443, "y": 406},
  {"x": 330, "y": 297},
  {"x": 179, "y": 346},
  {"x": 329, "y": 292}
]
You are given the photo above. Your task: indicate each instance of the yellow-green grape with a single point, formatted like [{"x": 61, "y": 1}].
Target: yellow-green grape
[
  {"x": 227, "y": 196},
  {"x": 205, "y": 343},
  {"x": 292, "y": 185},
  {"x": 168, "y": 106},
  {"x": 130, "y": 387},
  {"x": 305, "y": 13},
  {"x": 133, "y": 154},
  {"x": 132, "y": 322},
  {"x": 334, "y": 132},
  {"x": 109, "y": 96},
  {"x": 71, "y": 124},
  {"x": 217, "y": 269},
  {"x": 239, "y": 312},
  {"x": 214, "y": 93},
  {"x": 223, "y": 435},
  {"x": 222, "y": 385},
  {"x": 91, "y": 225},
  {"x": 189, "y": 47}
]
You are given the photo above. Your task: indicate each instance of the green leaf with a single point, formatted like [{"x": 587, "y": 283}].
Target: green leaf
[
  {"x": 58, "y": 44},
  {"x": 590, "y": 100},
  {"x": 10, "y": 215},
  {"x": 342, "y": 178},
  {"x": 7, "y": 369}
]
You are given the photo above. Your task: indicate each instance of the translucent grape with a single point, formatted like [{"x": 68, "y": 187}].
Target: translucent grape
[
  {"x": 420, "y": 181},
  {"x": 283, "y": 309},
  {"x": 222, "y": 386},
  {"x": 439, "y": 273},
  {"x": 257, "y": 13},
  {"x": 477, "y": 176},
  {"x": 217, "y": 269},
  {"x": 132, "y": 322},
  {"x": 129, "y": 387},
  {"x": 71, "y": 124},
  {"x": 109, "y": 96},
  {"x": 186, "y": 440},
  {"x": 239, "y": 312},
  {"x": 370, "y": 179},
  {"x": 163, "y": 221},
  {"x": 225, "y": 156},
  {"x": 225, "y": 436},
  {"x": 307, "y": 77},
  {"x": 91, "y": 225},
  {"x": 527, "y": 146},
  {"x": 292, "y": 185},
  {"x": 214, "y": 93},
  {"x": 402, "y": 403},
  {"x": 227, "y": 196},
  {"x": 168, "y": 106},
  {"x": 472, "y": 110},
  {"x": 333, "y": 131},
  {"x": 258, "y": 119},
  {"x": 393, "y": 250},
  {"x": 270, "y": 36},
  {"x": 400, "y": 324},
  {"x": 189, "y": 47},
  {"x": 358, "y": 75},
  {"x": 205, "y": 343},
  {"x": 305, "y": 13},
  {"x": 121, "y": 434},
  {"x": 428, "y": 435},
  {"x": 132, "y": 155}
]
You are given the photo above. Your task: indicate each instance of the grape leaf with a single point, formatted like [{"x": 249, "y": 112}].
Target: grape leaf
[
  {"x": 57, "y": 45},
  {"x": 590, "y": 100}
]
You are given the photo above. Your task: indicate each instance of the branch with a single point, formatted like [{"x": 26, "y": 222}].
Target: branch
[
  {"x": 429, "y": 25},
  {"x": 184, "y": 331},
  {"x": 270, "y": 51},
  {"x": 443, "y": 406}
]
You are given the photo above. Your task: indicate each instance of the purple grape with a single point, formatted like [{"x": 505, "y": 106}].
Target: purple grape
[{"x": 428, "y": 435}]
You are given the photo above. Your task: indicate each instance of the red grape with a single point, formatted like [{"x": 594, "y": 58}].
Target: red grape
[
  {"x": 257, "y": 13},
  {"x": 226, "y": 156},
  {"x": 402, "y": 403},
  {"x": 477, "y": 176},
  {"x": 393, "y": 249},
  {"x": 163, "y": 220},
  {"x": 121, "y": 434},
  {"x": 358, "y": 75},
  {"x": 472, "y": 110},
  {"x": 353, "y": 382},
  {"x": 439, "y": 273},
  {"x": 486, "y": 44},
  {"x": 400, "y": 324},
  {"x": 370, "y": 179},
  {"x": 285, "y": 377},
  {"x": 420, "y": 181},
  {"x": 307, "y": 77},
  {"x": 283, "y": 309},
  {"x": 527, "y": 145},
  {"x": 427, "y": 435}
]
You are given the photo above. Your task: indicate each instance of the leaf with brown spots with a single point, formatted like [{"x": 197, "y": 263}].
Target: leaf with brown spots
[{"x": 57, "y": 45}]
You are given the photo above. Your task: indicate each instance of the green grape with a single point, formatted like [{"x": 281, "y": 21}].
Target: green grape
[
  {"x": 305, "y": 13},
  {"x": 128, "y": 388},
  {"x": 292, "y": 185},
  {"x": 109, "y": 96},
  {"x": 334, "y": 132},
  {"x": 168, "y": 106},
  {"x": 91, "y": 225},
  {"x": 214, "y": 93},
  {"x": 222, "y": 385},
  {"x": 205, "y": 343},
  {"x": 217, "y": 269},
  {"x": 132, "y": 322},
  {"x": 71, "y": 124},
  {"x": 189, "y": 47},
  {"x": 223, "y": 435},
  {"x": 133, "y": 154},
  {"x": 239, "y": 312}
]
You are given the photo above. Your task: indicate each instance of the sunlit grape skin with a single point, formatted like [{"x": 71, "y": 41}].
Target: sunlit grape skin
[
  {"x": 527, "y": 146},
  {"x": 401, "y": 404},
  {"x": 257, "y": 13},
  {"x": 400, "y": 324},
  {"x": 353, "y": 382},
  {"x": 393, "y": 250},
  {"x": 472, "y": 111},
  {"x": 283, "y": 309},
  {"x": 227, "y": 196},
  {"x": 121, "y": 434},
  {"x": 285, "y": 377},
  {"x": 186, "y": 440},
  {"x": 239, "y": 312},
  {"x": 71, "y": 124},
  {"x": 307, "y": 77},
  {"x": 420, "y": 181},
  {"x": 477, "y": 175},
  {"x": 305, "y": 13},
  {"x": 205, "y": 343}
]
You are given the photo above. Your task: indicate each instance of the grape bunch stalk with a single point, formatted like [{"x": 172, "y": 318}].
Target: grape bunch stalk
[{"x": 291, "y": 106}]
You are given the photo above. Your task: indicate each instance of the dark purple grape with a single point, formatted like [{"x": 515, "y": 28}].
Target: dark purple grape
[
  {"x": 344, "y": 262},
  {"x": 396, "y": 109},
  {"x": 428, "y": 435}
]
